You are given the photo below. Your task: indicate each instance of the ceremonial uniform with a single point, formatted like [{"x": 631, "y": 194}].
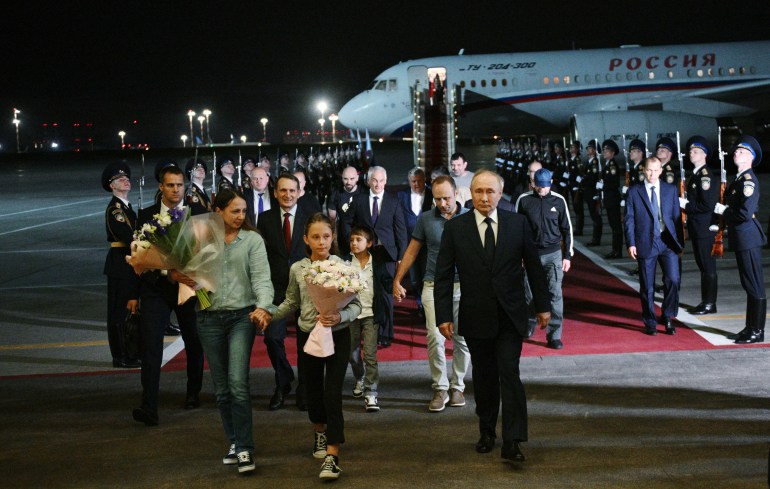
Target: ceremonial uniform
[
  {"x": 196, "y": 197},
  {"x": 224, "y": 182},
  {"x": 577, "y": 171},
  {"x": 702, "y": 190},
  {"x": 592, "y": 196},
  {"x": 122, "y": 282},
  {"x": 611, "y": 188},
  {"x": 747, "y": 239}
]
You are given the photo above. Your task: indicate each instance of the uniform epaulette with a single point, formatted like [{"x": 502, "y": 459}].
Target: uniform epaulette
[{"x": 746, "y": 176}]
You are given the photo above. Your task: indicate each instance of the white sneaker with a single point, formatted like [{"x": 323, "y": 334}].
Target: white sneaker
[
  {"x": 370, "y": 403},
  {"x": 358, "y": 389},
  {"x": 231, "y": 458}
]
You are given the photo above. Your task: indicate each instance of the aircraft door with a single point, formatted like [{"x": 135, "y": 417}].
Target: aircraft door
[{"x": 418, "y": 77}]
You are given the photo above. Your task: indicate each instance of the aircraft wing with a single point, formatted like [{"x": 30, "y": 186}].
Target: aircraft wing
[{"x": 739, "y": 93}]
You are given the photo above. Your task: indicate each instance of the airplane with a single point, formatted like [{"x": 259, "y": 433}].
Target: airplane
[{"x": 629, "y": 90}]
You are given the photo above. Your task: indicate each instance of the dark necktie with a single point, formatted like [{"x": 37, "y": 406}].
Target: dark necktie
[
  {"x": 655, "y": 210},
  {"x": 261, "y": 204},
  {"x": 287, "y": 232},
  {"x": 489, "y": 241},
  {"x": 375, "y": 211}
]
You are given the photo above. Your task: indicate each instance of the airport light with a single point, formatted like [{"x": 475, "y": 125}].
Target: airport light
[
  {"x": 207, "y": 113},
  {"x": 243, "y": 139},
  {"x": 122, "y": 135},
  {"x": 191, "y": 114},
  {"x": 202, "y": 118},
  {"x": 334, "y": 119},
  {"x": 16, "y": 122},
  {"x": 183, "y": 137},
  {"x": 264, "y": 128},
  {"x": 322, "y": 108},
  {"x": 321, "y": 121}
]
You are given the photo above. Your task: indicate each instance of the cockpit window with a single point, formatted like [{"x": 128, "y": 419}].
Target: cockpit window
[
  {"x": 371, "y": 87},
  {"x": 392, "y": 85},
  {"x": 381, "y": 85}
]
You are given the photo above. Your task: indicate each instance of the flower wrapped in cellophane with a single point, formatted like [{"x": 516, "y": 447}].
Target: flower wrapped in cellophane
[
  {"x": 176, "y": 240},
  {"x": 331, "y": 285}
]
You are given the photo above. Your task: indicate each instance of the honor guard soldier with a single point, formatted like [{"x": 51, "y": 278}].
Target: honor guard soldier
[
  {"x": 560, "y": 171},
  {"x": 611, "y": 186},
  {"x": 225, "y": 170},
  {"x": 636, "y": 153},
  {"x": 248, "y": 164},
  {"x": 549, "y": 157},
  {"x": 283, "y": 164},
  {"x": 702, "y": 194},
  {"x": 159, "y": 167},
  {"x": 746, "y": 236},
  {"x": 264, "y": 162},
  {"x": 591, "y": 194},
  {"x": 577, "y": 172},
  {"x": 196, "y": 197},
  {"x": 122, "y": 282},
  {"x": 665, "y": 149}
]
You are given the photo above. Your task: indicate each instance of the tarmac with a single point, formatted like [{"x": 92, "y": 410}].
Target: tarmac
[{"x": 627, "y": 420}]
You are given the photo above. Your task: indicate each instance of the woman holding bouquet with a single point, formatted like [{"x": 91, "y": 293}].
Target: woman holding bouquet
[
  {"x": 225, "y": 329},
  {"x": 324, "y": 375}
]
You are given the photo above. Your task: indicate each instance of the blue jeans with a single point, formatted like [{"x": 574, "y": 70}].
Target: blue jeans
[{"x": 227, "y": 338}]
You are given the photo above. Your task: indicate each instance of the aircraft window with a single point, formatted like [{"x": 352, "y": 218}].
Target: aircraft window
[
  {"x": 689, "y": 73},
  {"x": 546, "y": 80},
  {"x": 721, "y": 72},
  {"x": 494, "y": 82},
  {"x": 743, "y": 70},
  {"x": 556, "y": 80},
  {"x": 566, "y": 79},
  {"x": 598, "y": 78},
  {"x": 618, "y": 76},
  {"x": 381, "y": 85},
  {"x": 629, "y": 76},
  {"x": 711, "y": 71},
  {"x": 504, "y": 81},
  {"x": 670, "y": 74},
  {"x": 731, "y": 71},
  {"x": 392, "y": 85},
  {"x": 700, "y": 73},
  {"x": 371, "y": 87},
  {"x": 513, "y": 82},
  {"x": 652, "y": 75},
  {"x": 639, "y": 75},
  {"x": 608, "y": 77},
  {"x": 753, "y": 70},
  {"x": 473, "y": 83},
  {"x": 588, "y": 78},
  {"x": 483, "y": 83},
  {"x": 462, "y": 84}
]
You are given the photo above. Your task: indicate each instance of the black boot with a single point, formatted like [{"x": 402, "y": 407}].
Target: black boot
[
  {"x": 756, "y": 334},
  {"x": 708, "y": 305},
  {"x": 747, "y": 328}
]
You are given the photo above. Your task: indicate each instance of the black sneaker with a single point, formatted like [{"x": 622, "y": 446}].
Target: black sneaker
[
  {"x": 245, "y": 462},
  {"x": 329, "y": 469},
  {"x": 231, "y": 458},
  {"x": 319, "y": 445}
]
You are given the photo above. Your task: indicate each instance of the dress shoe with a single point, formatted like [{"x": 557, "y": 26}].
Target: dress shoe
[
  {"x": 555, "y": 344},
  {"x": 276, "y": 402},
  {"x": 143, "y": 415},
  {"x": 486, "y": 443},
  {"x": 670, "y": 328},
  {"x": 512, "y": 451},
  {"x": 650, "y": 330},
  {"x": 591, "y": 244},
  {"x": 384, "y": 342},
  {"x": 740, "y": 333},
  {"x": 126, "y": 363},
  {"x": 192, "y": 401},
  {"x": 172, "y": 330},
  {"x": 751, "y": 336},
  {"x": 703, "y": 308},
  {"x": 613, "y": 255}
]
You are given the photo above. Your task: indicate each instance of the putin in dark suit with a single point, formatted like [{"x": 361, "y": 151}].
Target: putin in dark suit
[
  {"x": 488, "y": 247},
  {"x": 652, "y": 217},
  {"x": 381, "y": 211}
]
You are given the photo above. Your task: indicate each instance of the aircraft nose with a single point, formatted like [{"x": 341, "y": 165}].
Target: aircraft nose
[{"x": 345, "y": 114}]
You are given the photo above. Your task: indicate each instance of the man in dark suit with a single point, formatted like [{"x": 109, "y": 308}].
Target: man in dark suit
[
  {"x": 380, "y": 210},
  {"x": 652, "y": 215},
  {"x": 282, "y": 228},
  {"x": 414, "y": 201},
  {"x": 486, "y": 248},
  {"x": 159, "y": 291},
  {"x": 259, "y": 191}
]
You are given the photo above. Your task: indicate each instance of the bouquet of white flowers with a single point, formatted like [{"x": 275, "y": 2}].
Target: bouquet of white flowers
[
  {"x": 331, "y": 285},
  {"x": 191, "y": 244}
]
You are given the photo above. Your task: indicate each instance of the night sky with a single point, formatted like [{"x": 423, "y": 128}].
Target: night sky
[{"x": 110, "y": 63}]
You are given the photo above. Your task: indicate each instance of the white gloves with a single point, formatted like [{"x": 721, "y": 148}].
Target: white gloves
[
  {"x": 682, "y": 202},
  {"x": 719, "y": 208},
  {"x": 599, "y": 185}
]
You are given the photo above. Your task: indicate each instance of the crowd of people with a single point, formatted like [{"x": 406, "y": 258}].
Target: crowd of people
[{"x": 486, "y": 270}]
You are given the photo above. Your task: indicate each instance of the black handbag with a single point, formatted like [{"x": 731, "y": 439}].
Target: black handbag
[{"x": 132, "y": 335}]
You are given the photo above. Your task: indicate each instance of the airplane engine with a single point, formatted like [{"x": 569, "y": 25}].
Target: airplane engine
[{"x": 635, "y": 123}]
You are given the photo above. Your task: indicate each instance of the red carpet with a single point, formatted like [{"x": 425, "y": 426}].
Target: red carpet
[{"x": 603, "y": 315}]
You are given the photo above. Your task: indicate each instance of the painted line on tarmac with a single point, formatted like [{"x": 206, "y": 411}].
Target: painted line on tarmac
[
  {"x": 80, "y": 344},
  {"x": 55, "y": 286},
  {"x": 50, "y": 207},
  {"x": 51, "y": 223},
  {"x": 54, "y": 250}
]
